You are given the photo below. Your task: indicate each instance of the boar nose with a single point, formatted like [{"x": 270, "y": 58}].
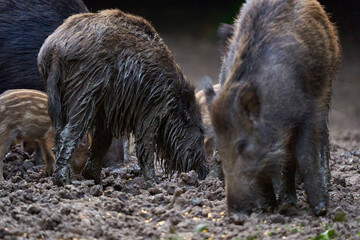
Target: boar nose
[
  {"x": 239, "y": 205},
  {"x": 239, "y": 200}
]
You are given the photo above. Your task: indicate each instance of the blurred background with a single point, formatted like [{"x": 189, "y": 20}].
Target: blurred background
[{"x": 189, "y": 28}]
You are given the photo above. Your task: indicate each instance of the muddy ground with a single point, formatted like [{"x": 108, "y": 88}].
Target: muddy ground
[
  {"x": 180, "y": 207},
  {"x": 183, "y": 207}
]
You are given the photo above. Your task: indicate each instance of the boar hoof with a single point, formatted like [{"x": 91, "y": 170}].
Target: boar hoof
[
  {"x": 288, "y": 199},
  {"x": 62, "y": 176},
  {"x": 49, "y": 171},
  {"x": 238, "y": 218},
  {"x": 320, "y": 209},
  {"x": 91, "y": 174},
  {"x": 289, "y": 209},
  {"x": 153, "y": 180},
  {"x": 149, "y": 174}
]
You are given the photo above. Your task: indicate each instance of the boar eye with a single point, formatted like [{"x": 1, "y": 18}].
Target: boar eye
[{"x": 240, "y": 146}]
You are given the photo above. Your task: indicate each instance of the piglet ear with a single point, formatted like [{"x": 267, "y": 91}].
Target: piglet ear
[
  {"x": 209, "y": 90},
  {"x": 225, "y": 33},
  {"x": 249, "y": 100}
]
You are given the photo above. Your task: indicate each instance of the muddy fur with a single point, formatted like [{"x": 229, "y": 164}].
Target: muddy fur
[
  {"x": 112, "y": 74},
  {"x": 271, "y": 115}
]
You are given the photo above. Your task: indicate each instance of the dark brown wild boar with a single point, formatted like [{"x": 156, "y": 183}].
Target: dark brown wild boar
[
  {"x": 112, "y": 74},
  {"x": 271, "y": 115},
  {"x": 24, "y": 118}
]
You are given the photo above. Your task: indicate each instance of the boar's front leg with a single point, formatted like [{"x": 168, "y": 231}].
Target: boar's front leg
[
  {"x": 65, "y": 142},
  {"x": 47, "y": 156},
  {"x": 287, "y": 192},
  {"x": 268, "y": 192},
  {"x": 310, "y": 167},
  {"x": 324, "y": 152},
  {"x": 1, "y": 170},
  {"x": 99, "y": 146},
  {"x": 5, "y": 141},
  {"x": 145, "y": 153}
]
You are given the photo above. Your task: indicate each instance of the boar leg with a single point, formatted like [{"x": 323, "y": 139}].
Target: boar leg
[
  {"x": 126, "y": 149},
  {"x": 20, "y": 142},
  {"x": 57, "y": 139},
  {"x": 122, "y": 150},
  {"x": 1, "y": 169},
  {"x": 65, "y": 143},
  {"x": 99, "y": 146},
  {"x": 47, "y": 157},
  {"x": 268, "y": 192},
  {"x": 4, "y": 148},
  {"x": 324, "y": 153},
  {"x": 2, "y": 155},
  {"x": 287, "y": 191},
  {"x": 309, "y": 165},
  {"x": 145, "y": 152}
]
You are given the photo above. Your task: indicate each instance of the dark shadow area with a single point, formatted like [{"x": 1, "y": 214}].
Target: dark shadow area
[
  {"x": 199, "y": 18},
  {"x": 202, "y": 17}
]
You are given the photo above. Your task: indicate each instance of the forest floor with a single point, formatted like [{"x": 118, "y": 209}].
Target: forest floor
[{"x": 181, "y": 207}]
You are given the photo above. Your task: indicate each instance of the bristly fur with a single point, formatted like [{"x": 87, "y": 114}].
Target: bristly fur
[
  {"x": 112, "y": 70},
  {"x": 225, "y": 33},
  {"x": 271, "y": 115}
]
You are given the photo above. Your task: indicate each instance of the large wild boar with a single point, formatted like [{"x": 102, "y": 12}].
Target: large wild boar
[
  {"x": 112, "y": 74},
  {"x": 271, "y": 115}
]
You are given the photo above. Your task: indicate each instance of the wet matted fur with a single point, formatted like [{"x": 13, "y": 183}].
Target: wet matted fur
[
  {"x": 271, "y": 114},
  {"x": 112, "y": 74}
]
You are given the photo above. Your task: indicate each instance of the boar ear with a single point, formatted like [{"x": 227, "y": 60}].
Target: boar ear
[
  {"x": 250, "y": 101},
  {"x": 209, "y": 90},
  {"x": 225, "y": 32}
]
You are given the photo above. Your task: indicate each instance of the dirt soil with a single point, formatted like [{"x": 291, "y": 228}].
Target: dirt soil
[{"x": 182, "y": 207}]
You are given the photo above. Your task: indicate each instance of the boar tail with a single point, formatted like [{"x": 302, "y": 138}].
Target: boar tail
[{"x": 54, "y": 98}]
